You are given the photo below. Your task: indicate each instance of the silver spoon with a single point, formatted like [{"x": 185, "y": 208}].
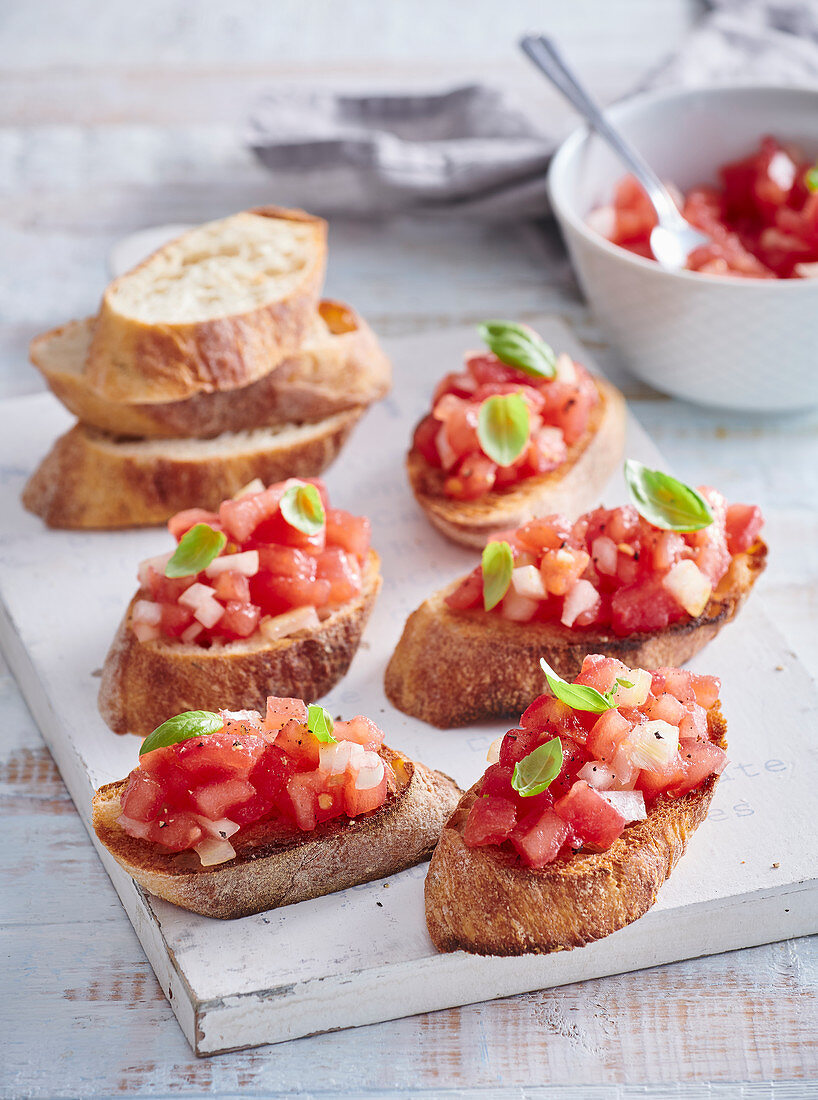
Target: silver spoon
[{"x": 674, "y": 238}]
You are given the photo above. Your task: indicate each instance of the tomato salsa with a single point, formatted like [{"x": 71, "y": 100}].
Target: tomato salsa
[
  {"x": 198, "y": 793},
  {"x": 762, "y": 217},
  {"x": 558, "y": 413},
  {"x": 612, "y": 569},
  {"x": 653, "y": 743},
  {"x": 269, "y": 578}
]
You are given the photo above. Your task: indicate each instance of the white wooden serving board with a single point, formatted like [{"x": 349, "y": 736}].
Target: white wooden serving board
[{"x": 750, "y": 875}]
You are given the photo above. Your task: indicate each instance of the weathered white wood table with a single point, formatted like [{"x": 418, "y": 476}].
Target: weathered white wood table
[{"x": 113, "y": 117}]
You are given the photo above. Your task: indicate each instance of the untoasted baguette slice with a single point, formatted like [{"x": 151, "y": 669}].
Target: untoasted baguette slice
[
  {"x": 93, "y": 480},
  {"x": 145, "y": 683},
  {"x": 483, "y": 901},
  {"x": 215, "y": 309},
  {"x": 571, "y": 489},
  {"x": 340, "y": 366},
  {"x": 454, "y": 667},
  {"x": 277, "y": 866}
]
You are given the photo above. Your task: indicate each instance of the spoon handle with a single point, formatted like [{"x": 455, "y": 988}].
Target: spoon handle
[{"x": 545, "y": 55}]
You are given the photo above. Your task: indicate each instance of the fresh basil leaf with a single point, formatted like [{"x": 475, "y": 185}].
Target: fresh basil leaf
[
  {"x": 664, "y": 501},
  {"x": 498, "y": 565},
  {"x": 503, "y": 427},
  {"x": 811, "y": 178},
  {"x": 537, "y": 771},
  {"x": 319, "y": 723},
  {"x": 520, "y": 347},
  {"x": 576, "y": 696},
  {"x": 193, "y": 723},
  {"x": 302, "y": 508},
  {"x": 197, "y": 548}
]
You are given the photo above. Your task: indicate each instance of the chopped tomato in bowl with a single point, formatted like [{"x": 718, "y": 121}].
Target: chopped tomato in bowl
[
  {"x": 283, "y": 768},
  {"x": 455, "y": 438},
  {"x": 762, "y": 216},
  {"x": 268, "y": 563},
  {"x": 612, "y": 570},
  {"x": 571, "y": 779}
]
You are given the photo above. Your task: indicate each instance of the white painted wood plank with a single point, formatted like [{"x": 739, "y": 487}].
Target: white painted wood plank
[{"x": 253, "y": 994}]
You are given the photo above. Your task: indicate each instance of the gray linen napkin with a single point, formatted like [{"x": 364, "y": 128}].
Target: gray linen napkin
[{"x": 472, "y": 150}]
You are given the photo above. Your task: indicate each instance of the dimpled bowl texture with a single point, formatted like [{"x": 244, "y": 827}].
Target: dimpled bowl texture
[{"x": 736, "y": 343}]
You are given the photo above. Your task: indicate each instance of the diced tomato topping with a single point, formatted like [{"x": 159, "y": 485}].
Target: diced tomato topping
[
  {"x": 448, "y": 439},
  {"x": 744, "y": 522},
  {"x": 599, "y": 788},
  {"x": 182, "y": 522},
  {"x": 761, "y": 219},
  {"x": 240, "y": 620},
  {"x": 468, "y": 594},
  {"x": 590, "y": 816},
  {"x": 232, "y": 586},
  {"x": 343, "y": 572},
  {"x": 490, "y": 821},
  {"x": 539, "y": 840},
  {"x": 351, "y": 533},
  {"x": 175, "y": 619},
  {"x": 245, "y": 773}
]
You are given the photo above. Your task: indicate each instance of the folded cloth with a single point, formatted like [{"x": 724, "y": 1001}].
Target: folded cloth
[{"x": 471, "y": 150}]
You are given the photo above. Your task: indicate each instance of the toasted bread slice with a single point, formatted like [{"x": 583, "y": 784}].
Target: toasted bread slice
[
  {"x": 339, "y": 366},
  {"x": 482, "y": 900},
  {"x": 276, "y": 865},
  {"x": 454, "y": 667},
  {"x": 145, "y": 683},
  {"x": 213, "y": 310},
  {"x": 93, "y": 480},
  {"x": 572, "y": 488}
]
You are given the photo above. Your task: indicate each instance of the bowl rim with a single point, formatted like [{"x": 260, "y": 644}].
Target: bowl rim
[{"x": 574, "y": 142}]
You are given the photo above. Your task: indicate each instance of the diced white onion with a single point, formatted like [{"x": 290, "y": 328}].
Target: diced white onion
[
  {"x": 652, "y": 745},
  {"x": 517, "y": 608},
  {"x": 582, "y": 597},
  {"x": 631, "y": 804},
  {"x": 251, "y": 717},
  {"x": 370, "y": 772},
  {"x": 191, "y": 633},
  {"x": 686, "y": 583},
  {"x": 807, "y": 271},
  {"x": 604, "y": 554},
  {"x": 246, "y": 563},
  {"x": 281, "y": 626},
  {"x": 146, "y": 632},
  {"x": 157, "y": 564},
  {"x": 566, "y": 369},
  {"x": 493, "y": 755},
  {"x": 602, "y": 220},
  {"x": 335, "y": 759},
  {"x": 212, "y": 851},
  {"x": 634, "y": 696},
  {"x": 220, "y": 829},
  {"x": 254, "y": 486},
  {"x": 526, "y": 580},
  {"x": 199, "y": 598},
  {"x": 147, "y": 611},
  {"x": 597, "y": 775}
]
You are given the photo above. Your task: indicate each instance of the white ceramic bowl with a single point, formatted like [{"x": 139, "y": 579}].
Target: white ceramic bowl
[{"x": 717, "y": 340}]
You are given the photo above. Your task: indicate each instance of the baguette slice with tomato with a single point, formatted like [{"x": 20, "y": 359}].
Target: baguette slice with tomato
[
  {"x": 584, "y": 860},
  {"x": 566, "y": 446},
  {"x": 286, "y": 842},
  {"x": 284, "y": 612},
  {"x": 456, "y": 663}
]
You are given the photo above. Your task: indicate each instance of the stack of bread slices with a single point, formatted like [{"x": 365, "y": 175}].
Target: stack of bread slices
[{"x": 212, "y": 363}]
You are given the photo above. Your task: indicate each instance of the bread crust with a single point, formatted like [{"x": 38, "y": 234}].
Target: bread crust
[
  {"x": 91, "y": 480},
  {"x": 572, "y": 488},
  {"x": 482, "y": 900},
  {"x": 454, "y": 667},
  {"x": 277, "y": 866},
  {"x": 133, "y": 361},
  {"x": 145, "y": 683},
  {"x": 332, "y": 372}
]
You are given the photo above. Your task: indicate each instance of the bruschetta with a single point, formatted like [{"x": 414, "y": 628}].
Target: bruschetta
[
  {"x": 268, "y": 595},
  {"x": 590, "y": 804},
  {"x": 518, "y": 433},
  {"x": 611, "y": 582},
  {"x": 229, "y": 814}
]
